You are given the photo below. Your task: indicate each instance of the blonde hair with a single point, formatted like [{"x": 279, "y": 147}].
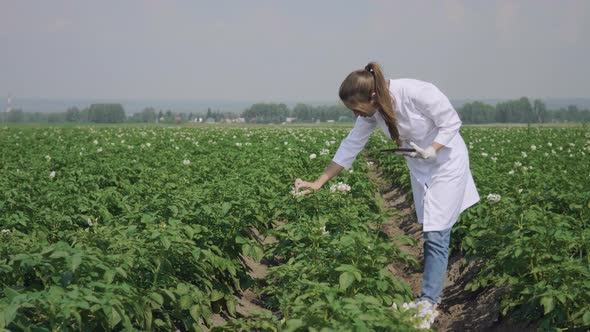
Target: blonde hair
[{"x": 365, "y": 89}]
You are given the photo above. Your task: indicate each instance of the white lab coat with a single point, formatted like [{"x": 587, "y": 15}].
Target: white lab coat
[{"x": 443, "y": 187}]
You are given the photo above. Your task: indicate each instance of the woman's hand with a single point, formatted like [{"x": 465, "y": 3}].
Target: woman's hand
[
  {"x": 424, "y": 153},
  {"x": 300, "y": 184}
]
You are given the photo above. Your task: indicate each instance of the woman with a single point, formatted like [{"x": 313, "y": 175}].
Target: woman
[{"x": 413, "y": 114}]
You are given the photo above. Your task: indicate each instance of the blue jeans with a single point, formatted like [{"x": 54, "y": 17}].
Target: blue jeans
[{"x": 436, "y": 258}]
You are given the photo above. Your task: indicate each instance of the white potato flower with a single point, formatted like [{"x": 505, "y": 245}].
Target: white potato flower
[
  {"x": 494, "y": 198},
  {"x": 341, "y": 187}
]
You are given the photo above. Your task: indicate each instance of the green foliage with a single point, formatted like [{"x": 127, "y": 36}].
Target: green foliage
[
  {"x": 145, "y": 228},
  {"x": 536, "y": 239}
]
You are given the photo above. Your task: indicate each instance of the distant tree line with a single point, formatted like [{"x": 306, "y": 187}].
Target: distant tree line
[
  {"x": 512, "y": 111},
  {"x": 96, "y": 113},
  {"x": 151, "y": 115},
  {"x": 301, "y": 113},
  {"x": 520, "y": 111}
]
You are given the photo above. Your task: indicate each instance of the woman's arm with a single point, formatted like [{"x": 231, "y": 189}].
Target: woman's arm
[
  {"x": 331, "y": 171},
  {"x": 346, "y": 154},
  {"x": 355, "y": 141}
]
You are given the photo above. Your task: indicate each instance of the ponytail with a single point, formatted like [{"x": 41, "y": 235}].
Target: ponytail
[{"x": 384, "y": 100}]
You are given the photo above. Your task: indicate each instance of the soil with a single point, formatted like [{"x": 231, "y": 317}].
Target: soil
[
  {"x": 460, "y": 309},
  {"x": 248, "y": 301}
]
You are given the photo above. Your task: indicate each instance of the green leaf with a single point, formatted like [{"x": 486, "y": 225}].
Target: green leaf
[
  {"x": 548, "y": 304},
  {"x": 59, "y": 254},
  {"x": 195, "y": 312},
  {"x": 10, "y": 313},
  {"x": 216, "y": 295},
  {"x": 76, "y": 261},
  {"x": 19, "y": 257},
  {"x": 109, "y": 275},
  {"x": 182, "y": 288},
  {"x": 115, "y": 318},
  {"x": 169, "y": 293},
  {"x": 240, "y": 239},
  {"x": 293, "y": 324},
  {"x": 121, "y": 271},
  {"x": 185, "y": 302},
  {"x": 258, "y": 253},
  {"x": 147, "y": 218},
  {"x": 225, "y": 207},
  {"x": 231, "y": 308},
  {"x": 165, "y": 242},
  {"x": 10, "y": 293},
  {"x": 158, "y": 298},
  {"x": 357, "y": 275},
  {"x": 586, "y": 317},
  {"x": 346, "y": 279},
  {"x": 174, "y": 210},
  {"x": 92, "y": 298}
]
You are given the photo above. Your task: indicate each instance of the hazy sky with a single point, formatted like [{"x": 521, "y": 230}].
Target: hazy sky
[{"x": 290, "y": 50}]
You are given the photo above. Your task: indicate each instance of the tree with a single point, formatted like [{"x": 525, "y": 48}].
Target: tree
[
  {"x": 106, "y": 113},
  {"x": 15, "y": 115},
  {"x": 303, "y": 112},
  {"x": 148, "y": 115},
  {"x": 72, "y": 114},
  {"x": 266, "y": 113},
  {"x": 540, "y": 111}
]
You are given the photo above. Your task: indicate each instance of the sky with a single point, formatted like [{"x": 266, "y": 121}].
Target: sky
[{"x": 276, "y": 51}]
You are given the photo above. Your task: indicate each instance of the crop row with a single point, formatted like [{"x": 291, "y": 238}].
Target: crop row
[
  {"x": 530, "y": 231},
  {"x": 146, "y": 228}
]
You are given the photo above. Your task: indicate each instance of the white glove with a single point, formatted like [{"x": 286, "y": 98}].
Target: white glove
[{"x": 427, "y": 154}]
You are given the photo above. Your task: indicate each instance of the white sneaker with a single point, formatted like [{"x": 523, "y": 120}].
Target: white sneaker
[{"x": 426, "y": 315}]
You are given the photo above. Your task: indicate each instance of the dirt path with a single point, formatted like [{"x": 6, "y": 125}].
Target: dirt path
[
  {"x": 460, "y": 310},
  {"x": 248, "y": 301}
]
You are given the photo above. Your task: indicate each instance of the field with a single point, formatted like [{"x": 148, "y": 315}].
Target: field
[{"x": 153, "y": 228}]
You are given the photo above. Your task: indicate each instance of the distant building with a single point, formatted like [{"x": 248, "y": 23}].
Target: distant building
[
  {"x": 210, "y": 120},
  {"x": 290, "y": 120}
]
